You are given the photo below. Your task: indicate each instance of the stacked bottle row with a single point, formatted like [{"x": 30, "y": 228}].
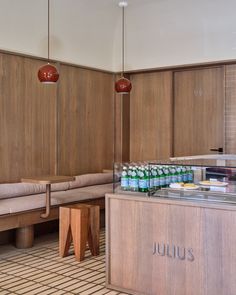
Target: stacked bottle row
[{"x": 147, "y": 177}]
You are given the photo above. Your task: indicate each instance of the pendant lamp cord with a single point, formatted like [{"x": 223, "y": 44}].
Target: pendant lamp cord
[
  {"x": 123, "y": 40},
  {"x": 48, "y": 28}
]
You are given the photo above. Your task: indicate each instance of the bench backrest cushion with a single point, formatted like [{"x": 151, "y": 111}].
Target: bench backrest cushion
[
  {"x": 63, "y": 186},
  {"x": 12, "y": 190},
  {"x": 91, "y": 179}
]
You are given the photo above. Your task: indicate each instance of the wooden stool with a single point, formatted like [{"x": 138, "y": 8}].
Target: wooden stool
[{"x": 79, "y": 223}]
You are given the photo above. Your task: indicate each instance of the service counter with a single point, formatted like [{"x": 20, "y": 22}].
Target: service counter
[{"x": 170, "y": 246}]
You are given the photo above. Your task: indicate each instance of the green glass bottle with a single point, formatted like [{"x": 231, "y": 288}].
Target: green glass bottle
[
  {"x": 124, "y": 179},
  {"x": 134, "y": 182},
  {"x": 143, "y": 181},
  {"x": 162, "y": 177},
  {"x": 190, "y": 174},
  {"x": 179, "y": 174},
  {"x": 185, "y": 175},
  {"x": 156, "y": 178},
  {"x": 167, "y": 176},
  {"x": 130, "y": 169},
  {"x": 173, "y": 174}
]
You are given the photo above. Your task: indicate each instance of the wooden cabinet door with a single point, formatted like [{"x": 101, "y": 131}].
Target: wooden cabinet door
[
  {"x": 150, "y": 116},
  {"x": 198, "y": 111}
]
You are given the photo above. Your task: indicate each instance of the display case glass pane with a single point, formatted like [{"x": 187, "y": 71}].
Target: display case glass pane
[{"x": 197, "y": 179}]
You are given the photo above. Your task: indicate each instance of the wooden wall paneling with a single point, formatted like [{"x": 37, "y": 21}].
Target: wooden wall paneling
[
  {"x": 118, "y": 126},
  {"x": 126, "y": 126},
  {"x": 79, "y": 111},
  {"x": 122, "y": 125},
  {"x": 27, "y": 120},
  {"x": 151, "y": 116},
  {"x": 85, "y": 127},
  {"x": 198, "y": 111},
  {"x": 230, "y": 109}
]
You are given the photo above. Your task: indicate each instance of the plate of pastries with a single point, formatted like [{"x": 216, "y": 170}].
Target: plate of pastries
[
  {"x": 213, "y": 183},
  {"x": 185, "y": 186}
]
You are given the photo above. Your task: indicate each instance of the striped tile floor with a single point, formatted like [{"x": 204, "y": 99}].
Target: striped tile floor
[{"x": 40, "y": 270}]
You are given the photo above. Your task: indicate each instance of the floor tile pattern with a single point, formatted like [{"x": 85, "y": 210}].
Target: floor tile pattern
[{"x": 40, "y": 270}]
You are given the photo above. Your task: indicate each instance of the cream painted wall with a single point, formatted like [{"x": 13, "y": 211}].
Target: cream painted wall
[
  {"x": 84, "y": 31},
  {"x": 87, "y": 32},
  {"x": 176, "y": 32},
  {"x": 81, "y": 30},
  {"x": 23, "y": 26}
]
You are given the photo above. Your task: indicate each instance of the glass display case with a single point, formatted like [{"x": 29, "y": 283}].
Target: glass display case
[{"x": 197, "y": 179}]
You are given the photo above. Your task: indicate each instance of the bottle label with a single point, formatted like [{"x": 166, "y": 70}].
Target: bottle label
[
  {"x": 134, "y": 183},
  {"x": 190, "y": 177},
  {"x": 167, "y": 180},
  {"x": 129, "y": 181},
  {"x": 124, "y": 182},
  {"x": 156, "y": 182},
  {"x": 179, "y": 178},
  {"x": 162, "y": 181},
  {"x": 185, "y": 177},
  {"x": 173, "y": 178},
  {"x": 151, "y": 183},
  {"x": 143, "y": 183}
]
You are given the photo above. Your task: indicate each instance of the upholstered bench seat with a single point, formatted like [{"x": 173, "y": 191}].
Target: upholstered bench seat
[
  {"x": 21, "y": 205},
  {"x": 31, "y": 202},
  {"x": 83, "y": 194}
]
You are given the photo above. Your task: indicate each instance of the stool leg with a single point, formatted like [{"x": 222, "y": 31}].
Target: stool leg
[
  {"x": 94, "y": 227},
  {"x": 79, "y": 229},
  {"x": 65, "y": 236}
]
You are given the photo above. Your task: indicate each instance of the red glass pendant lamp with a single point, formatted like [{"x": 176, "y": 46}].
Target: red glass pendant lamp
[
  {"x": 123, "y": 85},
  {"x": 48, "y": 74}
]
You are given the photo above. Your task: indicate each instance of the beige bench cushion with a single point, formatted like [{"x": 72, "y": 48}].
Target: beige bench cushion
[
  {"x": 91, "y": 179},
  {"x": 85, "y": 193},
  {"x": 14, "y": 205},
  {"x": 12, "y": 190},
  {"x": 4, "y": 209}
]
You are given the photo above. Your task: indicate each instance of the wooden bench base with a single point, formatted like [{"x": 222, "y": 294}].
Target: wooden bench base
[
  {"x": 24, "y": 223},
  {"x": 25, "y": 237}
]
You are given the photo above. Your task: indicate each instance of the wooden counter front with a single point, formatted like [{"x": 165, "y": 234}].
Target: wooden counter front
[{"x": 167, "y": 247}]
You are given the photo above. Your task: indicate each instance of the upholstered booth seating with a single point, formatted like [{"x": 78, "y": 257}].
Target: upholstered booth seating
[{"x": 22, "y": 204}]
